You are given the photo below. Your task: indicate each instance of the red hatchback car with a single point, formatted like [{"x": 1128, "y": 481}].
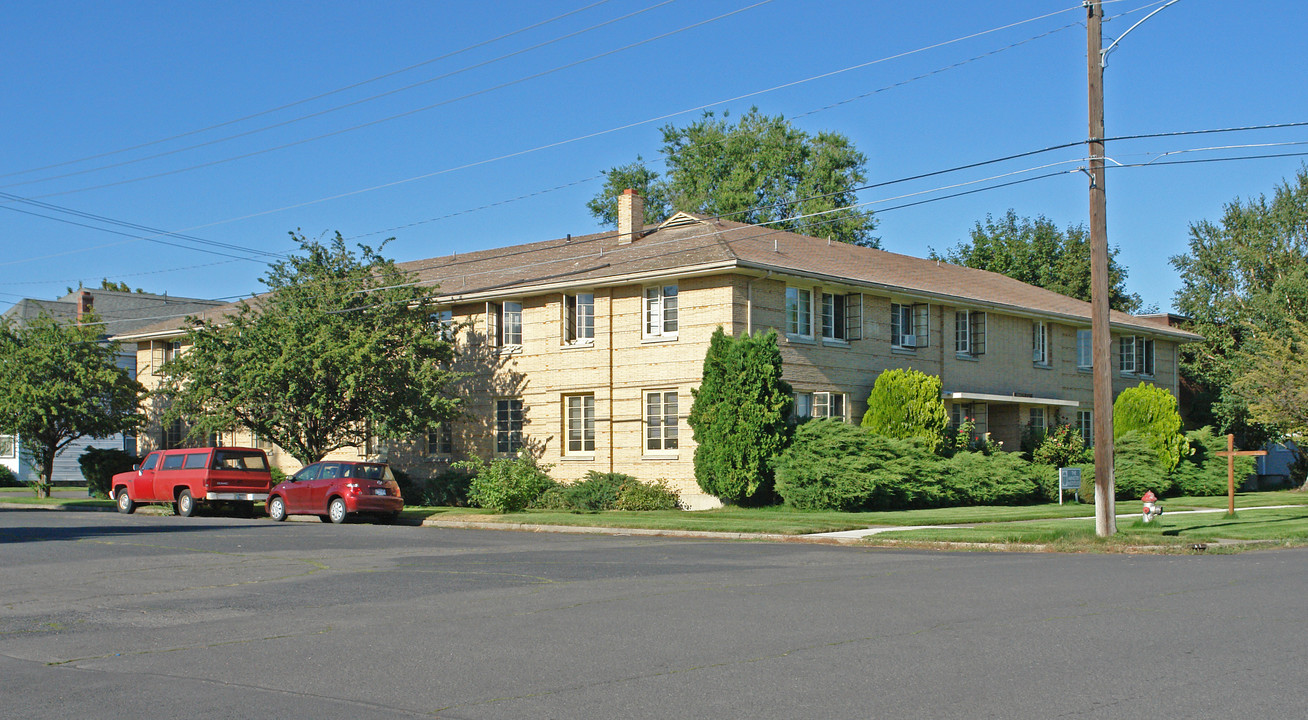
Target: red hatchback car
[{"x": 335, "y": 489}]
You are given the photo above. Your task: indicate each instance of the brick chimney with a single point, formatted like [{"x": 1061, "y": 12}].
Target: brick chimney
[
  {"x": 85, "y": 304},
  {"x": 631, "y": 216}
]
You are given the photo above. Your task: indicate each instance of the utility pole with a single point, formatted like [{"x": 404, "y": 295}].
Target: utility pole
[{"x": 1101, "y": 341}]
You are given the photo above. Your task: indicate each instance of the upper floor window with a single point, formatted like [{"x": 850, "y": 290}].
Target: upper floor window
[
  {"x": 660, "y": 312},
  {"x": 799, "y": 312},
  {"x": 579, "y": 318},
  {"x": 969, "y": 332},
  {"x": 909, "y": 325},
  {"x": 1085, "y": 349},
  {"x": 504, "y": 323},
  {"x": 161, "y": 351},
  {"x": 1039, "y": 342},
  {"x": 442, "y": 323},
  {"x": 842, "y": 316},
  {"x": 1136, "y": 354}
]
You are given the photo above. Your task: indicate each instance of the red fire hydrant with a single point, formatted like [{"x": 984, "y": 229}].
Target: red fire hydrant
[{"x": 1151, "y": 506}]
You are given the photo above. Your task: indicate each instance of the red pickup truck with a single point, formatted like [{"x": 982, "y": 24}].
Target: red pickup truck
[{"x": 187, "y": 477}]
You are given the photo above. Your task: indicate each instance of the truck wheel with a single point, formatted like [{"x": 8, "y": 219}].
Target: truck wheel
[
  {"x": 277, "y": 509},
  {"x": 185, "y": 504},
  {"x": 337, "y": 511},
  {"x": 126, "y": 505}
]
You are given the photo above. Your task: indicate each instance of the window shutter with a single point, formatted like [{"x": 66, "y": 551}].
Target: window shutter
[
  {"x": 921, "y": 324},
  {"x": 978, "y": 332},
  {"x": 569, "y": 317},
  {"x": 492, "y": 324},
  {"x": 854, "y": 316}
]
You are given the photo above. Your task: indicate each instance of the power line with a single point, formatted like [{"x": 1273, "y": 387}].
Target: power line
[
  {"x": 407, "y": 113},
  {"x": 308, "y": 99},
  {"x": 326, "y": 111}
]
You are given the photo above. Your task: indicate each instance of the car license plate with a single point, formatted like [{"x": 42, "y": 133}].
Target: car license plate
[{"x": 379, "y": 491}]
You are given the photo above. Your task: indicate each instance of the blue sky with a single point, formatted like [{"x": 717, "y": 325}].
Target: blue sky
[{"x": 460, "y": 126}]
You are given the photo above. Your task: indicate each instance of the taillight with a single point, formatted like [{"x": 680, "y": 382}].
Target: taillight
[{"x": 353, "y": 487}]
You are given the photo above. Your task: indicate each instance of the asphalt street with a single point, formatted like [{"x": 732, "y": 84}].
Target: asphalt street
[{"x": 112, "y": 616}]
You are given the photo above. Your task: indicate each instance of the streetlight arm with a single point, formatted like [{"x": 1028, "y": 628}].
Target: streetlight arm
[{"x": 1103, "y": 54}]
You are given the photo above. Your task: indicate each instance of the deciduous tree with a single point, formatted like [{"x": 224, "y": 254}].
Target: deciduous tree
[
  {"x": 1244, "y": 276},
  {"x": 340, "y": 347},
  {"x": 59, "y": 382},
  {"x": 762, "y": 170},
  {"x": 1037, "y": 252}
]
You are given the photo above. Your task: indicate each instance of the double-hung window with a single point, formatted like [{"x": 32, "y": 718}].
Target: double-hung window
[
  {"x": 660, "y": 312},
  {"x": 661, "y": 421},
  {"x": 1036, "y": 422},
  {"x": 1039, "y": 342},
  {"x": 909, "y": 325},
  {"x": 799, "y": 312},
  {"x": 969, "y": 332},
  {"x": 580, "y": 420},
  {"x": 508, "y": 426},
  {"x": 8, "y": 447},
  {"x": 579, "y": 318}
]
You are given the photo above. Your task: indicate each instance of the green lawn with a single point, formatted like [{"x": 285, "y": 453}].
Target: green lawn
[{"x": 1289, "y": 525}]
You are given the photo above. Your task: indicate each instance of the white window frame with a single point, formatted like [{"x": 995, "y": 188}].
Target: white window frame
[
  {"x": 969, "y": 333},
  {"x": 916, "y": 316},
  {"x": 834, "y": 309},
  {"x": 1144, "y": 356},
  {"x": 799, "y": 312},
  {"x": 1125, "y": 356},
  {"x": 1040, "y": 343},
  {"x": 579, "y": 319},
  {"x": 8, "y": 447},
  {"x": 803, "y": 407},
  {"x": 1085, "y": 355},
  {"x": 1085, "y": 422},
  {"x": 829, "y": 405},
  {"x": 662, "y": 425},
  {"x": 579, "y": 425},
  {"x": 442, "y": 322},
  {"x": 510, "y": 417},
  {"x": 659, "y": 319}
]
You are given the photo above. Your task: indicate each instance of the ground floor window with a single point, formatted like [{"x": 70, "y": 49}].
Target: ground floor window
[
  {"x": 8, "y": 447},
  {"x": 661, "y": 421},
  {"x": 508, "y": 426},
  {"x": 579, "y": 416},
  {"x": 439, "y": 441},
  {"x": 819, "y": 405},
  {"x": 1085, "y": 422}
]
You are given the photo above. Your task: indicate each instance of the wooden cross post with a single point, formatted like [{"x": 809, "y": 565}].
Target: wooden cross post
[{"x": 1230, "y": 454}]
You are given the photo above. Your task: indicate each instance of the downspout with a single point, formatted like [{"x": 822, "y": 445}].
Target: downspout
[{"x": 612, "y": 436}]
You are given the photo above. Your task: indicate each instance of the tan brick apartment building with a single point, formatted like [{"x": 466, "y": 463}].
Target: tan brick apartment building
[{"x": 585, "y": 349}]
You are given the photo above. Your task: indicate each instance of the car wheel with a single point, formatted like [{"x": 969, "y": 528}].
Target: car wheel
[
  {"x": 125, "y": 503},
  {"x": 277, "y": 509},
  {"x": 185, "y": 504},
  {"x": 336, "y": 511}
]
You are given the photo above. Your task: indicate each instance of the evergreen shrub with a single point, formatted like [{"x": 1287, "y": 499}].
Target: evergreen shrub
[
  {"x": 1152, "y": 412},
  {"x": 834, "y": 466},
  {"x": 1002, "y": 479},
  {"x": 1137, "y": 468},
  {"x": 1203, "y": 472},
  {"x": 506, "y": 485},
  {"x": 8, "y": 478},
  {"x": 906, "y": 403},
  {"x": 645, "y": 496},
  {"x": 99, "y": 465}
]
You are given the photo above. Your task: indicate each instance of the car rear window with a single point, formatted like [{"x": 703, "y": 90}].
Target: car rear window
[
  {"x": 196, "y": 461},
  {"x": 240, "y": 460},
  {"x": 372, "y": 472},
  {"x": 172, "y": 462}
]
